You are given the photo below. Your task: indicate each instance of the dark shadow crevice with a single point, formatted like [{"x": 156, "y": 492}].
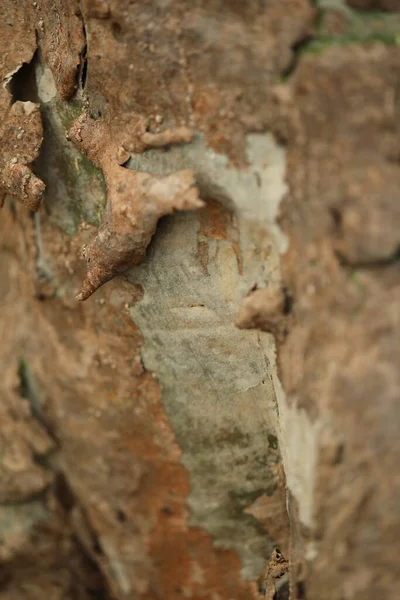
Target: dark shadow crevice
[{"x": 23, "y": 86}]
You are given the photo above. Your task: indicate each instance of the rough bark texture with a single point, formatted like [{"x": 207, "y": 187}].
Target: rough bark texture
[
  {"x": 237, "y": 389},
  {"x": 339, "y": 361}
]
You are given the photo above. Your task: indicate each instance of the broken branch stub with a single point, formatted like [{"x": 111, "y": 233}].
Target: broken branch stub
[{"x": 136, "y": 201}]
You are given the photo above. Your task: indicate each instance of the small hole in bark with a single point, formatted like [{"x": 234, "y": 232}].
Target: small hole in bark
[
  {"x": 63, "y": 492},
  {"x": 97, "y": 548},
  {"x": 336, "y": 217},
  {"x": 339, "y": 455},
  {"x": 167, "y": 510},
  {"x": 288, "y": 301},
  {"x": 116, "y": 30},
  {"x": 121, "y": 516}
]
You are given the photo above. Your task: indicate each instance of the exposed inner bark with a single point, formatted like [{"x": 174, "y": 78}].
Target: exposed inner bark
[{"x": 236, "y": 391}]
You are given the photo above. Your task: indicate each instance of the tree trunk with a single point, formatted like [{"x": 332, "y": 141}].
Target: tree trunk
[{"x": 200, "y": 299}]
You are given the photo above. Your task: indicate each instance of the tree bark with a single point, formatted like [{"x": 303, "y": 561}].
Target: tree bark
[{"x": 199, "y": 289}]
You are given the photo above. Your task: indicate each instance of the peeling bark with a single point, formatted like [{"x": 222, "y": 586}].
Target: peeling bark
[
  {"x": 136, "y": 201},
  {"x": 237, "y": 390}
]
